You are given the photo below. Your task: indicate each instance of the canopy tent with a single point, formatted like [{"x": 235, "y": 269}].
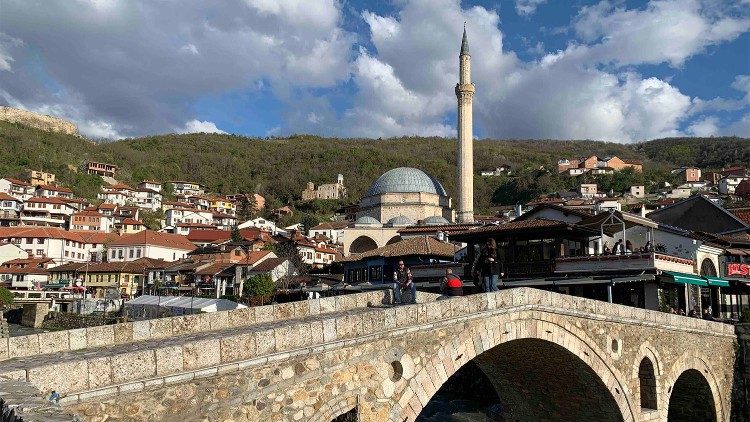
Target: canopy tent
[
  {"x": 682, "y": 278},
  {"x": 150, "y": 306},
  {"x": 613, "y": 222},
  {"x": 716, "y": 281}
]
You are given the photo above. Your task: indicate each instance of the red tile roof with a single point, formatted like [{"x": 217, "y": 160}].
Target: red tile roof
[
  {"x": 150, "y": 237},
  {"x": 54, "y": 188},
  {"x": 17, "y": 181},
  {"x": 96, "y": 237},
  {"x": 107, "y": 206},
  {"x": 267, "y": 265},
  {"x": 47, "y": 201},
  {"x": 5, "y": 197},
  {"x": 212, "y": 236},
  {"x": 40, "y": 232},
  {"x": 418, "y": 245}
]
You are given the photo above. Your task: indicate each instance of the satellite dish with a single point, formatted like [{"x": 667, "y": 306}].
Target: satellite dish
[{"x": 78, "y": 283}]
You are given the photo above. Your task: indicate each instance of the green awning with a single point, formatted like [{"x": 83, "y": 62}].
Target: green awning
[
  {"x": 683, "y": 278},
  {"x": 716, "y": 281},
  {"x": 56, "y": 285}
]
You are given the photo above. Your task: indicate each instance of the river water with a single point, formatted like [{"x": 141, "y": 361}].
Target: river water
[{"x": 443, "y": 408}]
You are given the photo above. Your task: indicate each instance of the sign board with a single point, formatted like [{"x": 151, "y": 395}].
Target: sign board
[{"x": 737, "y": 269}]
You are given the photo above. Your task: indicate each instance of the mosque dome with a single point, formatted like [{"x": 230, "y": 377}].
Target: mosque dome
[
  {"x": 435, "y": 220},
  {"x": 400, "y": 221},
  {"x": 367, "y": 221},
  {"x": 405, "y": 179}
]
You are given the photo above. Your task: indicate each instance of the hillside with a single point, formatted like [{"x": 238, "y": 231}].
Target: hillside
[{"x": 279, "y": 168}]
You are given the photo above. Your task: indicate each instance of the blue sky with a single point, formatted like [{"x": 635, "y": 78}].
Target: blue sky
[{"x": 621, "y": 71}]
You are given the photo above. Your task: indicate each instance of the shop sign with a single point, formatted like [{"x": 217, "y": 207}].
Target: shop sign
[{"x": 738, "y": 269}]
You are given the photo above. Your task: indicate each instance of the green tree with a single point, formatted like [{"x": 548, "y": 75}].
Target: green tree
[
  {"x": 259, "y": 289},
  {"x": 236, "y": 235},
  {"x": 6, "y": 297},
  {"x": 152, "y": 219}
]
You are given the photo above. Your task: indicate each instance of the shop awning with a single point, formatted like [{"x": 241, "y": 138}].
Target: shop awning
[
  {"x": 683, "y": 278},
  {"x": 716, "y": 281}
]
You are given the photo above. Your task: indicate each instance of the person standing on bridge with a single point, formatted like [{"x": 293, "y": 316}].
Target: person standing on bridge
[
  {"x": 402, "y": 280},
  {"x": 489, "y": 266},
  {"x": 451, "y": 285}
]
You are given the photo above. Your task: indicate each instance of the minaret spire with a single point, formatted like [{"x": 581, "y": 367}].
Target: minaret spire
[
  {"x": 464, "y": 43},
  {"x": 465, "y": 95}
]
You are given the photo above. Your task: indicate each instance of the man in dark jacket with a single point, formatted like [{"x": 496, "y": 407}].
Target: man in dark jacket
[{"x": 402, "y": 280}]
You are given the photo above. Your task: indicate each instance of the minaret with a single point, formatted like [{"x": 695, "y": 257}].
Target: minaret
[{"x": 465, "y": 95}]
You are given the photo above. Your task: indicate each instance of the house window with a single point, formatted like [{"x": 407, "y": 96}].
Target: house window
[
  {"x": 40, "y": 252},
  {"x": 120, "y": 254},
  {"x": 113, "y": 254},
  {"x": 28, "y": 251},
  {"x": 137, "y": 253},
  {"x": 67, "y": 254},
  {"x": 40, "y": 241},
  {"x": 29, "y": 241},
  {"x": 131, "y": 253}
]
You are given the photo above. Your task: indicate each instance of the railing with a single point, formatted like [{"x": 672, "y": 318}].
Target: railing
[
  {"x": 40, "y": 294},
  {"x": 633, "y": 261},
  {"x": 528, "y": 269}
]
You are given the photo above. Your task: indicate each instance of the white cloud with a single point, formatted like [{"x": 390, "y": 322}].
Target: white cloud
[
  {"x": 740, "y": 127},
  {"x": 528, "y": 7},
  {"x": 668, "y": 31},
  {"x": 141, "y": 65},
  {"x": 708, "y": 126},
  {"x": 6, "y": 44},
  {"x": 201, "y": 126}
]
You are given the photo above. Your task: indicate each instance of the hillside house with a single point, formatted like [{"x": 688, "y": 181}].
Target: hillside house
[
  {"x": 91, "y": 219},
  {"x": 41, "y": 178},
  {"x": 49, "y": 191},
  {"x": 333, "y": 230},
  {"x": 181, "y": 187},
  {"x": 335, "y": 190},
  {"x": 48, "y": 212},
  {"x": 728, "y": 184},
  {"x": 47, "y": 242},
  {"x": 10, "y": 210},
  {"x": 688, "y": 174},
  {"x": 150, "y": 184},
  {"x": 101, "y": 169},
  {"x": 149, "y": 244},
  {"x": 16, "y": 188}
]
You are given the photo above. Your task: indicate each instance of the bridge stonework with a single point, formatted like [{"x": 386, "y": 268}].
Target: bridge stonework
[{"x": 549, "y": 357}]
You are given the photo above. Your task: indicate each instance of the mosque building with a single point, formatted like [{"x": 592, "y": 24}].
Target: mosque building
[{"x": 406, "y": 196}]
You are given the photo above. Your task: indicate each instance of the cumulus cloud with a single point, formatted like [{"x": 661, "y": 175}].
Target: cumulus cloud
[
  {"x": 132, "y": 68},
  {"x": 528, "y": 7},
  {"x": 668, "y": 31},
  {"x": 139, "y": 65},
  {"x": 198, "y": 126}
]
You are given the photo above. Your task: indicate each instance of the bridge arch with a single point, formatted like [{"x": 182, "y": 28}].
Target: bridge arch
[
  {"x": 335, "y": 408},
  {"x": 363, "y": 244},
  {"x": 691, "y": 384},
  {"x": 484, "y": 338}
]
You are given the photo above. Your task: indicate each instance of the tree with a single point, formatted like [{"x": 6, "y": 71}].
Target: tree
[
  {"x": 236, "y": 235},
  {"x": 259, "y": 288},
  {"x": 152, "y": 219},
  {"x": 6, "y": 297},
  {"x": 309, "y": 221},
  {"x": 288, "y": 250}
]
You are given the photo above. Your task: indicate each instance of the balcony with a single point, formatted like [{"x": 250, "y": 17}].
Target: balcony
[{"x": 629, "y": 262}]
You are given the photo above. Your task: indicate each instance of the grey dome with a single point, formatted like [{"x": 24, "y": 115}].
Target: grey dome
[
  {"x": 435, "y": 220},
  {"x": 400, "y": 221},
  {"x": 405, "y": 179},
  {"x": 367, "y": 221}
]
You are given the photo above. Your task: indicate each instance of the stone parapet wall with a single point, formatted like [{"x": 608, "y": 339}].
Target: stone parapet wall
[
  {"x": 37, "y": 121},
  {"x": 168, "y": 357},
  {"x": 22, "y": 402},
  {"x": 108, "y": 335},
  {"x": 323, "y": 365}
]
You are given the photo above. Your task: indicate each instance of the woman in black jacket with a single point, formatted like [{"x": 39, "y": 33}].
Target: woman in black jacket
[{"x": 488, "y": 266}]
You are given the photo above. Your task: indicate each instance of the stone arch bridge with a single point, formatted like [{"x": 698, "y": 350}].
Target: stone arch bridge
[{"x": 547, "y": 356}]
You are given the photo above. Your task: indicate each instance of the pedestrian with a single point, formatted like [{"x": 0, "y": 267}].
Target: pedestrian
[
  {"x": 628, "y": 247},
  {"x": 649, "y": 247},
  {"x": 605, "y": 249},
  {"x": 488, "y": 266},
  {"x": 618, "y": 249},
  {"x": 402, "y": 280},
  {"x": 707, "y": 315},
  {"x": 451, "y": 285}
]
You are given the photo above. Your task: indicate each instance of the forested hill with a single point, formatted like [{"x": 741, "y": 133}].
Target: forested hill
[{"x": 279, "y": 168}]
